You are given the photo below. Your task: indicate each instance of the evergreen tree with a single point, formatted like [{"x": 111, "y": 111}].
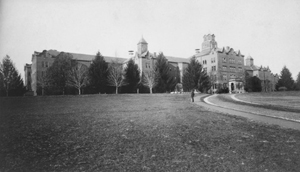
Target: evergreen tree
[
  {"x": 286, "y": 79},
  {"x": 11, "y": 83},
  {"x": 298, "y": 82},
  {"x": 98, "y": 72},
  {"x": 59, "y": 72},
  {"x": 163, "y": 79},
  {"x": 132, "y": 77},
  {"x": 256, "y": 84},
  {"x": 195, "y": 77}
]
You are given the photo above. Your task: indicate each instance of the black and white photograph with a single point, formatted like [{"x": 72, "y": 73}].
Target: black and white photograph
[{"x": 150, "y": 85}]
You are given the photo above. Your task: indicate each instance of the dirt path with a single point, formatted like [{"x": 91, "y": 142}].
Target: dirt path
[{"x": 245, "y": 111}]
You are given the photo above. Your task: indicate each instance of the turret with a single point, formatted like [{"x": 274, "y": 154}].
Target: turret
[
  {"x": 142, "y": 46},
  {"x": 249, "y": 61}
]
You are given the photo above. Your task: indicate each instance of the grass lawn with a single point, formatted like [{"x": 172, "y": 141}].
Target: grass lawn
[
  {"x": 283, "y": 99},
  {"x": 160, "y": 132}
]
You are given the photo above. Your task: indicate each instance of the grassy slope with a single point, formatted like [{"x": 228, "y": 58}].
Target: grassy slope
[
  {"x": 286, "y": 100},
  {"x": 136, "y": 133}
]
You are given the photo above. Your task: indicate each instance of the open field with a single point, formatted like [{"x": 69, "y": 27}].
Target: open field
[
  {"x": 283, "y": 99},
  {"x": 157, "y": 132}
]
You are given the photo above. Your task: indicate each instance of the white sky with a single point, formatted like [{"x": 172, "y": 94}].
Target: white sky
[{"x": 267, "y": 30}]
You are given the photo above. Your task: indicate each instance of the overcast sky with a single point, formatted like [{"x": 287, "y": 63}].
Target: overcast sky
[{"x": 268, "y": 30}]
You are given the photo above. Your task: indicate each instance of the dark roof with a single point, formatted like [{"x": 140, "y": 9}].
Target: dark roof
[
  {"x": 228, "y": 49},
  {"x": 85, "y": 57},
  {"x": 178, "y": 59}
]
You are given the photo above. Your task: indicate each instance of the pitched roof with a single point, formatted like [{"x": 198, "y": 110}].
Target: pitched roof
[
  {"x": 228, "y": 49},
  {"x": 178, "y": 59},
  {"x": 202, "y": 53},
  {"x": 142, "y": 41},
  {"x": 85, "y": 57},
  {"x": 249, "y": 57}
]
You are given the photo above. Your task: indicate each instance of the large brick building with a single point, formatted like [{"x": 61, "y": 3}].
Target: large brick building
[
  {"x": 40, "y": 61},
  {"x": 225, "y": 66}
]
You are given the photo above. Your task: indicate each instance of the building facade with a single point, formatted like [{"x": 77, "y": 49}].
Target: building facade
[
  {"x": 41, "y": 61},
  {"x": 268, "y": 79},
  {"x": 225, "y": 66},
  {"x": 145, "y": 60}
]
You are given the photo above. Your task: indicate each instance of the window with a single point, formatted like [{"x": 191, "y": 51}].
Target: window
[
  {"x": 47, "y": 65},
  {"x": 147, "y": 65},
  {"x": 224, "y": 77},
  {"x": 213, "y": 68},
  {"x": 213, "y": 60},
  {"x": 205, "y": 69},
  {"x": 232, "y": 68},
  {"x": 224, "y": 67},
  {"x": 204, "y": 62},
  {"x": 43, "y": 64},
  {"x": 231, "y": 60},
  {"x": 224, "y": 59}
]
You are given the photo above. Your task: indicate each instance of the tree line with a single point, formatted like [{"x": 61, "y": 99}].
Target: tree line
[{"x": 67, "y": 76}]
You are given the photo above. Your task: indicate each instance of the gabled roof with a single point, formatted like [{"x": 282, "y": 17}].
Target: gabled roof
[{"x": 228, "y": 50}]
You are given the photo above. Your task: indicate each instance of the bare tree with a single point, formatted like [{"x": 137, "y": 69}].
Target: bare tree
[
  {"x": 43, "y": 82},
  {"x": 78, "y": 77},
  {"x": 149, "y": 80},
  {"x": 115, "y": 76}
]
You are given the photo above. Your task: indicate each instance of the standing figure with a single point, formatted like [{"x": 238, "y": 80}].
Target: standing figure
[{"x": 192, "y": 95}]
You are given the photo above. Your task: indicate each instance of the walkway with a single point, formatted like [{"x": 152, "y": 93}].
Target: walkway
[{"x": 225, "y": 104}]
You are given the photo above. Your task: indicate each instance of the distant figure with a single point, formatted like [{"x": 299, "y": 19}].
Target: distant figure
[{"x": 192, "y": 95}]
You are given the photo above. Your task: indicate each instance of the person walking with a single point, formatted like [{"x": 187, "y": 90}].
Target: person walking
[{"x": 192, "y": 95}]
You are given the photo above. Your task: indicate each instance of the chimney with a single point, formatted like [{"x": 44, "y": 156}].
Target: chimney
[{"x": 130, "y": 53}]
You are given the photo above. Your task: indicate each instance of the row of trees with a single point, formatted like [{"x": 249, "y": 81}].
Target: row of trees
[
  {"x": 11, "y": 83},
  {"x": 66, "y": 74}
]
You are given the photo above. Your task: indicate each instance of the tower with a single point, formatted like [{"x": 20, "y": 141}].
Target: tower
[
  {"x": 142, "y": 46},
  {"x": 209, "y": 42},
  {"x": 249, "y": 61}
]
